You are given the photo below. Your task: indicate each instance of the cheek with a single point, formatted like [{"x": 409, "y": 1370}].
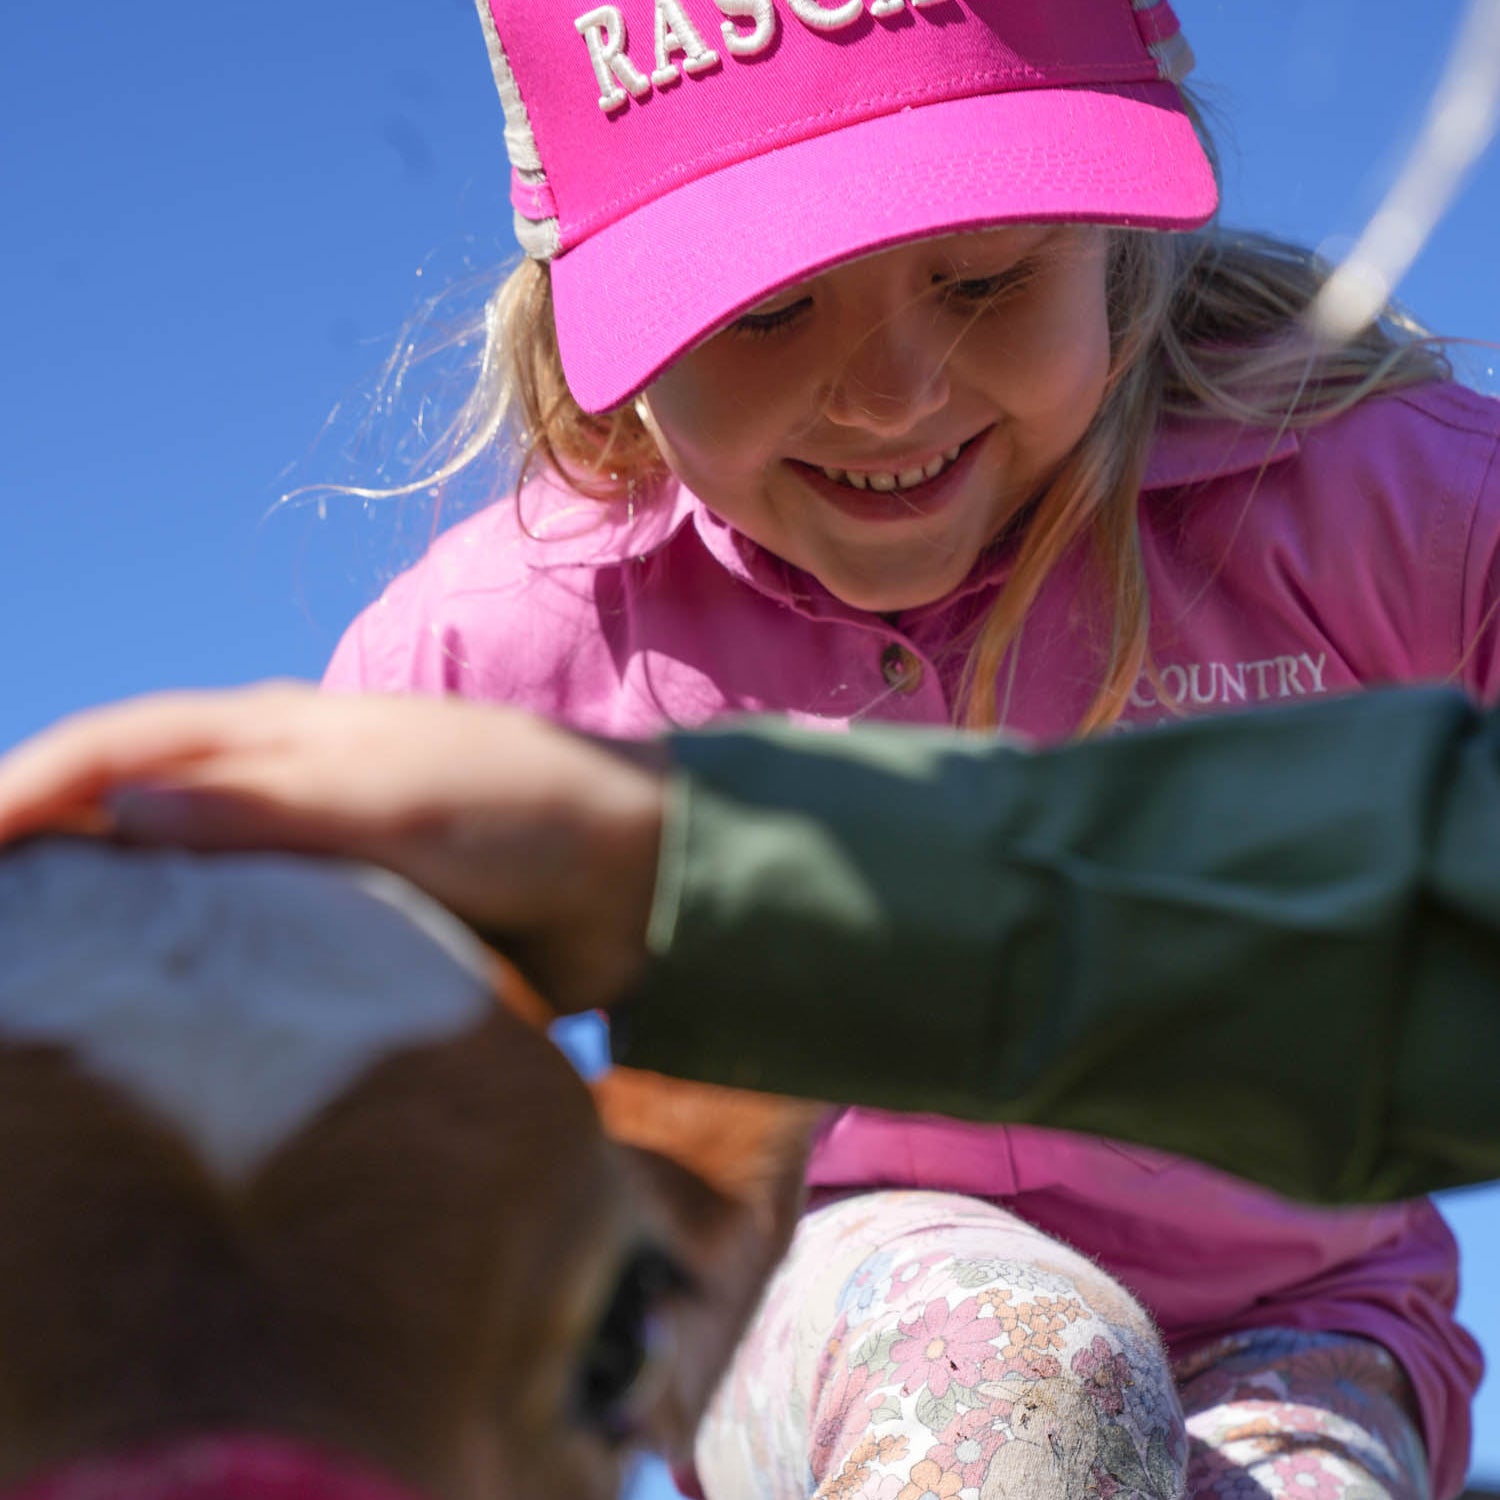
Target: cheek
[
  {"x": 713, "y": 415},
  {"x": 1081, "y": 377},
  {"x": 1052, "y": 358},
  {"x": 1081, "y": 346},
  {"x": 1069, "y": 354},
  {"x": 685, "y": 413}
]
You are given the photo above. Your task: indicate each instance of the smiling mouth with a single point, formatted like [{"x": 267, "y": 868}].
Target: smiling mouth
[{"x": 886, "y": 480}]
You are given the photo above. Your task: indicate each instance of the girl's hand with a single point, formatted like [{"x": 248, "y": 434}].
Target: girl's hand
[{"x": 544, "y": 840}]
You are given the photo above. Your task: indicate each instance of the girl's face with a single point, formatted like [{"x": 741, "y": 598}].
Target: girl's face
[{"x": 878, "y": 425}]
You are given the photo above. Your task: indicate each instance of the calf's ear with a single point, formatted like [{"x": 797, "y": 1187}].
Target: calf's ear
[
  {"x": 744, "y": 1152},
  {"x": 720, "y": 1172}
]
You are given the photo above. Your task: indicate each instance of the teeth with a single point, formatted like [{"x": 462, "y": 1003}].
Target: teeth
[{"x": 891, "y": 480}]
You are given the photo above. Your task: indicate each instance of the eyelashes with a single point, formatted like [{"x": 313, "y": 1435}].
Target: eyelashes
[
  {"x": 971, "y": 294},
  {"x": 980, "y": 291},
  {"x": 757, "y": 325},
  {"x": 624, "y": 1365}
]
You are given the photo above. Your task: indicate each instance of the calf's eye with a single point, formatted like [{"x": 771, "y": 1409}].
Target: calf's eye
[{"x": 618, "y": 1372}]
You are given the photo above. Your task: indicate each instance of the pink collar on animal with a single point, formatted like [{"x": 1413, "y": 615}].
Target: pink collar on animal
[{"x": 232, "y": 1466}]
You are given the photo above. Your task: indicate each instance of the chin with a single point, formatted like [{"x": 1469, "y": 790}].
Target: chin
[{"x": 889, "y": 597}]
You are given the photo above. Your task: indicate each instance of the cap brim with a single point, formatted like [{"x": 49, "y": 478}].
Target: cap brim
[{"x": 641, "y": 291}]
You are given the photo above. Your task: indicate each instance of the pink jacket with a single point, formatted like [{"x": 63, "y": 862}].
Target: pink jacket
[{"x": 1363, "y": 551}]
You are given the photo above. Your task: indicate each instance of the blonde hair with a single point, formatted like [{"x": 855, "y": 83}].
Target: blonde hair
[{"x": 1205, "y": 325}]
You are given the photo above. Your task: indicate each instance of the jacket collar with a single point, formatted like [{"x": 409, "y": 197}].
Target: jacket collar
[
  {"x": 1194, "y": 452},
  {"x": 563, "y": 529}
]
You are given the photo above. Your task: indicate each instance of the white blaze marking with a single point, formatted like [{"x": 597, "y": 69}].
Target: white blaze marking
[{"x": 233, "y": 995}]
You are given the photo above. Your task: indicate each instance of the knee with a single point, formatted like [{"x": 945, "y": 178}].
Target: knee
[
  {"x": 1035, "y": 1380},
  {"x": 918, "y": 1343}
]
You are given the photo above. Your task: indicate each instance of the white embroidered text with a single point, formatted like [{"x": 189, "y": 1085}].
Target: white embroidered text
[
  {"x": 747, "y": 26},
  {"x": 1208, "y": 684}
]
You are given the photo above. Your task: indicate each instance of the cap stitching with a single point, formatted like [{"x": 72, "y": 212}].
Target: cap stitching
[{"x": 737, "y": 150}]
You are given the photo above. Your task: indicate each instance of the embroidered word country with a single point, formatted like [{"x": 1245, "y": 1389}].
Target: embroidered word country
[
  {"x": 603, "y": 30},
  {"x": 1203, "y": 684}
]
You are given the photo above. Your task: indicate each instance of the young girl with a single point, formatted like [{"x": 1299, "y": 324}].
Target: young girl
[{"x": 860, "y": 371}]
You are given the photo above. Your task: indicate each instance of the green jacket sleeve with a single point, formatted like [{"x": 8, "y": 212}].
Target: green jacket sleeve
[{"x": 1270, "y": 941}]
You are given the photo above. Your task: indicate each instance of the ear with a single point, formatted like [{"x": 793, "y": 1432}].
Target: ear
[
  {"x": 745, "y": 1152},
  {"x": 721, "y": 1171}
]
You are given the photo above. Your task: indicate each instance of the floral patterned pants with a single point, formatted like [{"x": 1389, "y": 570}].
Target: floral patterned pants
[{"x": 927, "y": 1346}]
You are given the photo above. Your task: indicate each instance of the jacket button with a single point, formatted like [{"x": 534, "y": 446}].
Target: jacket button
[{"x": 900, "y": 668}]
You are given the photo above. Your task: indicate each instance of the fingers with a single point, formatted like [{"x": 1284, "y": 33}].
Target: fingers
[
  {"x": 518, "y": 826},
  {"x": 206, "y": 818},
  {"x": 62, "y": 778},
  {"x": 296, "y": 792}
]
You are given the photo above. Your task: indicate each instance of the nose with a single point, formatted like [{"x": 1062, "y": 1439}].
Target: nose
[{"x": 889, "y": 377}]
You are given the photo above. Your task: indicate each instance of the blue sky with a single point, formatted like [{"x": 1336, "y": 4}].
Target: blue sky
[{"x": 218, "y": 218}]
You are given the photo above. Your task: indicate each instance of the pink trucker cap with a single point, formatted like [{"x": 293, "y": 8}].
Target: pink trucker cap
[{"x": 677, "y": 161}]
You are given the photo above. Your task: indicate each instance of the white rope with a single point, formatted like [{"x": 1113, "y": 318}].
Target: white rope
[{"x": 1461, "y": 122}]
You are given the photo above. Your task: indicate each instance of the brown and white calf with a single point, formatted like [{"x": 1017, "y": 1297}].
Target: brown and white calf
[{"x": 283, "y": 1190}]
